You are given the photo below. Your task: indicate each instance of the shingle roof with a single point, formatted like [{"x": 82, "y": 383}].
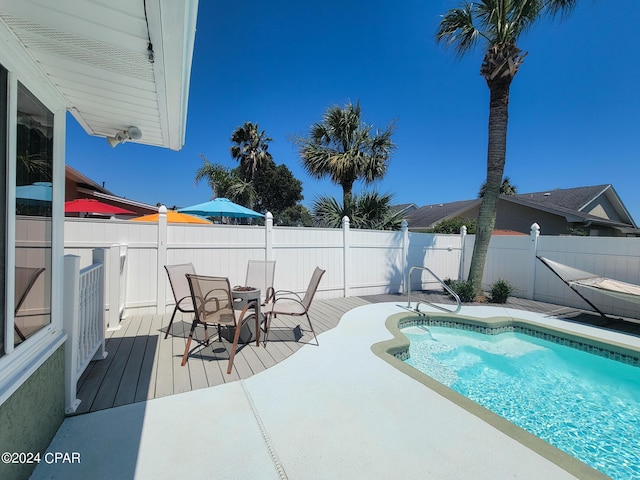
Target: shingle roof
[
  {"x": 571, "y": 199},
  {"x": 429, "y": 215},
  {"x": 567, "y": 202}
]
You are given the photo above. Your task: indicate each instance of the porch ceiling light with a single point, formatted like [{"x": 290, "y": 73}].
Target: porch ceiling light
[{"x": 131, "y": 133}]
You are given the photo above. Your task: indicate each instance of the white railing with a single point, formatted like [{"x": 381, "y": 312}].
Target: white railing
[{"x": 83, "y": 320}]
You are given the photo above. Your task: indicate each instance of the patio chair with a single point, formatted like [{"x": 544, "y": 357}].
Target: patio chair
[
  {"x": 260, "y": 275},
  {"x": 180, "y": 288},
  {"x": 289, "y": 303},
  {"x": 25, "y": 279},
  {"x": 213, "y": 303}
]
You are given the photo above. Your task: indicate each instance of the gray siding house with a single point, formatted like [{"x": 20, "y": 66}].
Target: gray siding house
[{"x": 595, "y": 210}]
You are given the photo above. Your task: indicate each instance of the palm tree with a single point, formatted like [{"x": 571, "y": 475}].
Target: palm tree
[
  {"x": 345, "y": 149},
  {"x": 225, "y": 183},
  {"x": 370, "y": 210},
  {"x": 498, "y": 24},
  {"x": 506, "y": 188},
  {"x": 250, "y": 149}
]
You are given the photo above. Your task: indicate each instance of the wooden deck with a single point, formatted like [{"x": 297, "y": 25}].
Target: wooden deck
[{"x": 142, "y": 365}]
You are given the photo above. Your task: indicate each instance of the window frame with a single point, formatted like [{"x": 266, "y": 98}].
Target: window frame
[{"x": 17, "y": 365}]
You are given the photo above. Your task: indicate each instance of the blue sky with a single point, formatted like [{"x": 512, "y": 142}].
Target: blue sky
[{"x": 573, "y": 112}]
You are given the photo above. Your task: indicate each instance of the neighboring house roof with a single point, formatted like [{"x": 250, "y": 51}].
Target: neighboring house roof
[
  {"x": 403, "y": 208},
  {"x": 83, "y": 181},
  {"x": 576, "y": 205},
  {"x": 87, "y": 188},
  {"x": 429, "y": 215},
  {"x": 97, "y": 57}
]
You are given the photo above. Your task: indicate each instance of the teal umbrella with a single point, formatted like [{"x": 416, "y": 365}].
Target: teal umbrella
[
  {"x": 221, "y": 207},
  {"x": 39, "y": 191}
]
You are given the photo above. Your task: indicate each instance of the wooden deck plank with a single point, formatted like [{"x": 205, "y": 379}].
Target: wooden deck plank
[
  {"x": 133, "y": 370},
  {"x": 111, "y": 382},
  {"x": 164, "y": 377},
  {"x": 149, "y": 368}
]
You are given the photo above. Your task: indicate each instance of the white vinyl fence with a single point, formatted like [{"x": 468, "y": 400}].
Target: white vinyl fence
[{"x": 358, "y": 262}]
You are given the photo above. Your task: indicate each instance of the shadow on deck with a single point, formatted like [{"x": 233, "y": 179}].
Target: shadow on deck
[{"x": 142, "y": 365}]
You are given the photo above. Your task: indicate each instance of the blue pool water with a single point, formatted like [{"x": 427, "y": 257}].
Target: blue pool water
[{"x": 583, "y": 404}]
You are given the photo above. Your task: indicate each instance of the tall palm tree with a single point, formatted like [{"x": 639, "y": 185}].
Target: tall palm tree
[
  {"x": 498, "y": 24},
  {"x": 250, "y": 149},
  {"x": 345, "y": 149}
]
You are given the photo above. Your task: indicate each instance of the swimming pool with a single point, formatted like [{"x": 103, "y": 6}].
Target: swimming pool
[{"x": 584, "y": 404}]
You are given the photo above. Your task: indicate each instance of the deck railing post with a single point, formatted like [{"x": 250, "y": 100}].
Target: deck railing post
[
  {"x": 533, "y": 251},
  {"x": 268, "y": 236},
  {"x": 117, "y": 284},
  {"x": 98, "y": 255},
  {"x": 346, "y": 256},
  {"x": 71, "y": 306}
]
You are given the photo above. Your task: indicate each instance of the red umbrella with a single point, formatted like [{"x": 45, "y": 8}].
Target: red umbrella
[{"x": 89, "y": 205}]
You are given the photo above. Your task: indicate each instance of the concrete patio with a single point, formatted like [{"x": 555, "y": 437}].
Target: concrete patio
[{"x": 329, "y": 411}]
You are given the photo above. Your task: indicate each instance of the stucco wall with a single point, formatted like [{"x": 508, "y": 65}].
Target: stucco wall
[{"x": 31, "y": 416}]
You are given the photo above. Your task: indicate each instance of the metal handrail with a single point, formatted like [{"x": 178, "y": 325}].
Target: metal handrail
[{"x": 446, "y": 287}]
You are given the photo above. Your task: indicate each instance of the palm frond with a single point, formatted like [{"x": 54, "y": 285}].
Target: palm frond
[
  {"x": 345, "y": 149},
  {"x": 457, "y": 29}
]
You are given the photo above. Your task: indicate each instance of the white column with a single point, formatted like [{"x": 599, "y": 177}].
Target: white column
[
  {"x": 71, "y": 305},
  {"x": 346, "y": 256},
  {"x": 161, "y": 276},
  {"x": 405, "y": 255},
  {"x": 98, "y": 256},
  {"x": 268, "y": 237},
  {"x": 463, "y": 237},
  {"x": 115, "y": 287},
  {"x": 533, "y": 251}
]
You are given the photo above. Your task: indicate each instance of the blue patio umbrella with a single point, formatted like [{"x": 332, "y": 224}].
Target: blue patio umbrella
[
  {"x": 40, "y": 191},
  {"x": 220, "y": 207}
]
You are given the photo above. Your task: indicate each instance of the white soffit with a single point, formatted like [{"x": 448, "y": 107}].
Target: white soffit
[{"x": 94, "y": 52}]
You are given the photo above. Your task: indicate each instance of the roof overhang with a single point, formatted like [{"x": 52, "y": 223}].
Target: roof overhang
[{"x": 96, "y": 55}]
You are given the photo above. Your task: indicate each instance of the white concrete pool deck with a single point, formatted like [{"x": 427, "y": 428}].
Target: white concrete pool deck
[{"x": 334, "y": 411}]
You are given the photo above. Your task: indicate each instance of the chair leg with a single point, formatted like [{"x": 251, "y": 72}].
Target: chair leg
[
  {"x": 312, "y": 330},
  {"x": 171, "y": 322},
  {"x": 257, "y": 328},
  {"x": 267, "y": 328},
  {"x": 234, "y": 346},
  {"x": 186, "y": 348}
]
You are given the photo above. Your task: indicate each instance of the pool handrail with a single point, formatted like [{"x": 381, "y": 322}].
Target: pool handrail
[{"x": 446, "y": 287}]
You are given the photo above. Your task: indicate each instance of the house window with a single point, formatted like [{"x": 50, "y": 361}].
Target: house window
[{"x": 34, "y": 171}]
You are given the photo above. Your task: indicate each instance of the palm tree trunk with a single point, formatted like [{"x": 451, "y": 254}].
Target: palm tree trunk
[
  {"x": 496, "y": 155},
  {"x": 347, "y": 198}
]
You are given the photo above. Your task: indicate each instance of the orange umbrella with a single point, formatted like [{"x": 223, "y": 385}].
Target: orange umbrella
[{"x": 172, "y": 217}]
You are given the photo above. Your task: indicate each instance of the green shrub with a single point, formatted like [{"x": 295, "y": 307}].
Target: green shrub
[
  {"x": 465, "y": 289},
  {"x": 453, "y": 225},
  {"x": 500, "y": 291}
]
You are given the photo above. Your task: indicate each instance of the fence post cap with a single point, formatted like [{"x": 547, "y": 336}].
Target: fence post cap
[{"x": 162, "y": 209}]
